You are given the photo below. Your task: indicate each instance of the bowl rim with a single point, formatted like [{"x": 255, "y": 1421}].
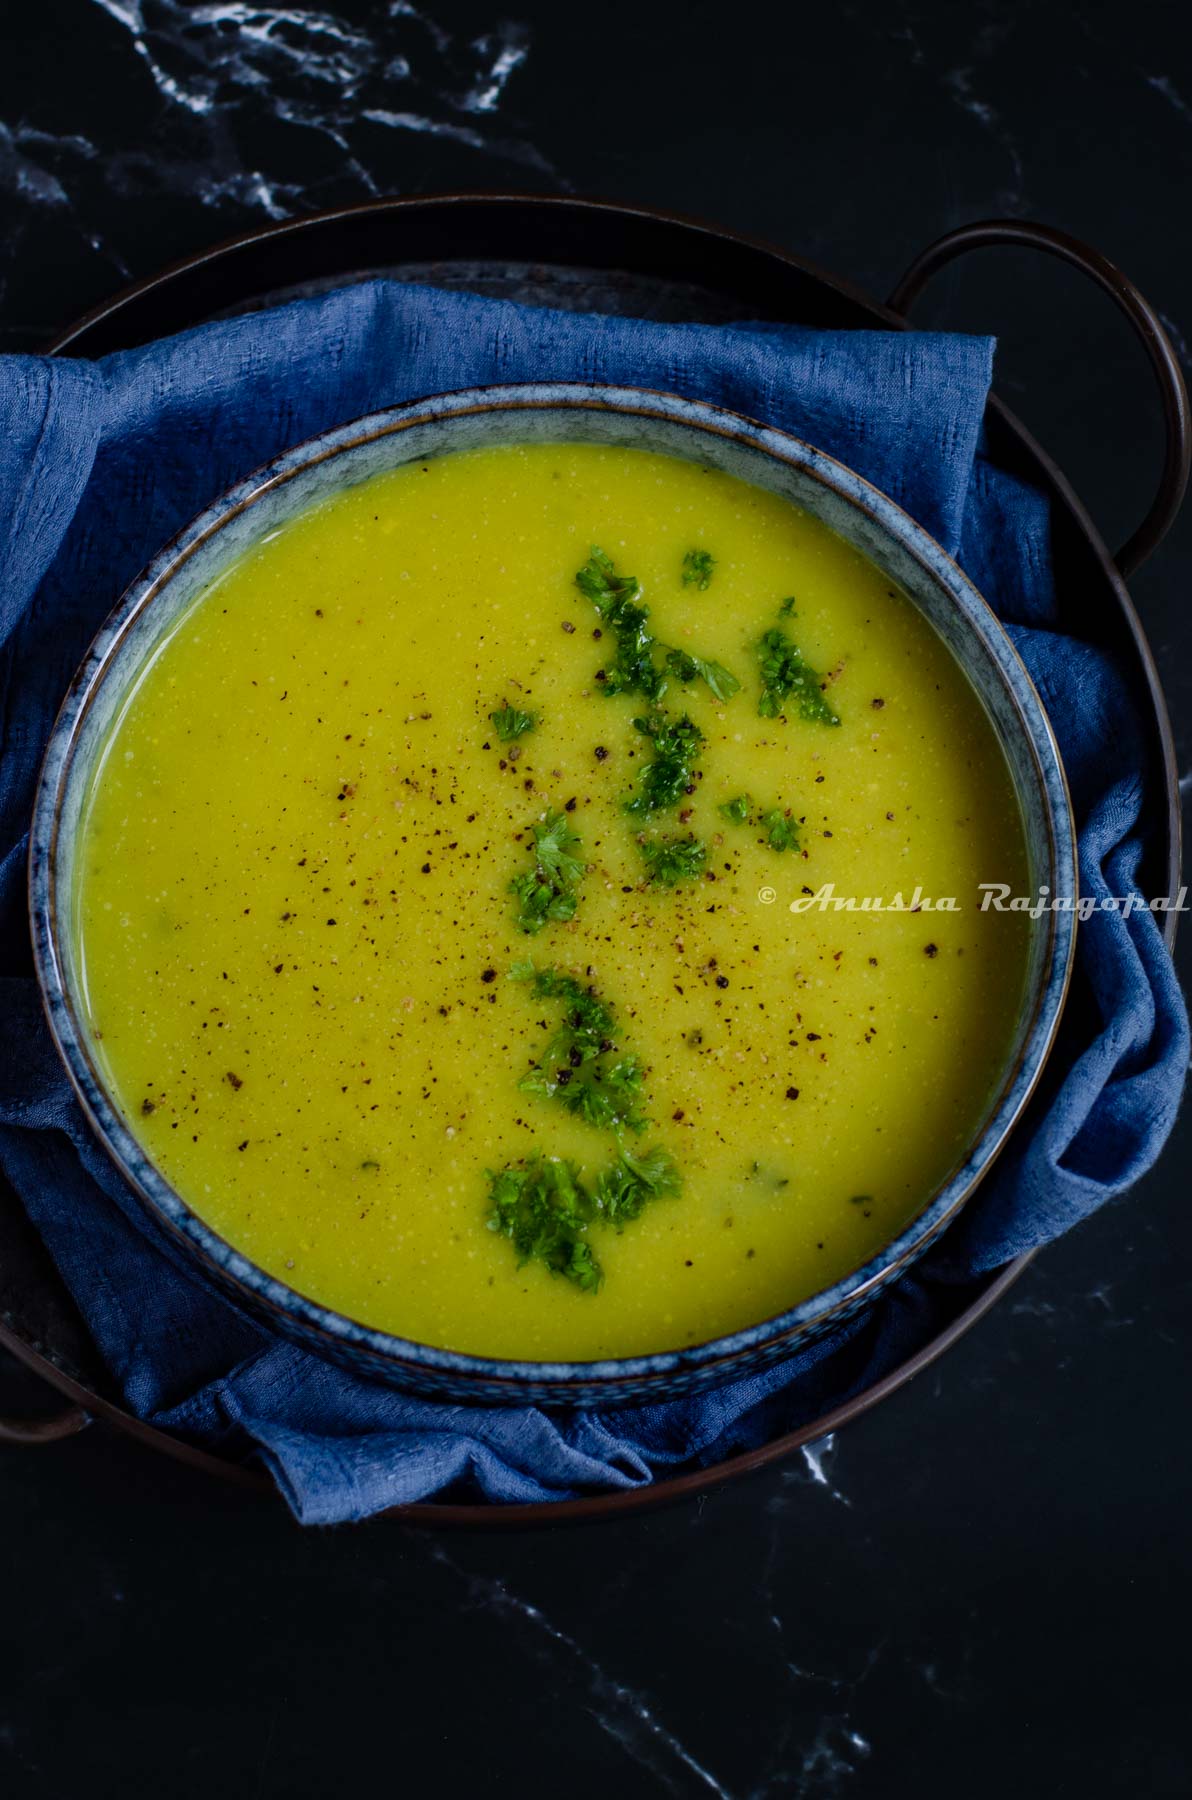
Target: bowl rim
[{"x": 389, "y": 1351}]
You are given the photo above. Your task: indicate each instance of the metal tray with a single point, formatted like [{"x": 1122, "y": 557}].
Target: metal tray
[{"x": 597, "y": 257}]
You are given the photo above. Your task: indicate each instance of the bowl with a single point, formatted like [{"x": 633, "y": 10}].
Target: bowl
[{"x": 766, "y": 458}]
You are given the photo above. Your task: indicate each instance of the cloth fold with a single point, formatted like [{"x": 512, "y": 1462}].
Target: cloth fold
[{"x": 100, "y": 463}]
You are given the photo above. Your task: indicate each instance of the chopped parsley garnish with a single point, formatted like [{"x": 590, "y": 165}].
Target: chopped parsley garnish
[
  {"x": 631, "y": 669},
  {"x": 579, "y": 1067},
  {"x": 589, "y": 1023},
  {"x": 599, "y": 581},
  {"x": 785, "y": 676},
  {"x": 670, "y": 773},
  {"x": 671, "y": 860},
  {"x": 634, "y": 667},
  {"x": 510, "y": 723},
  {"x": 782, "y": 831},
  {"x": 687, "y": 667},
  {"x": 787, "y": 608},
  {"x": 542, "y": 1204},
  {"x": 607, "y": 1097},
  {"x": 697, "y": 569},
  {"x": 623, "y": 1189},
  {"x": 544, "y": 1210},
  {"x": 546, "y": 893}
]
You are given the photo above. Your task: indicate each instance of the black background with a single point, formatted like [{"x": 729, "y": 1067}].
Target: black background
[{"x": 982, "y": 1587}]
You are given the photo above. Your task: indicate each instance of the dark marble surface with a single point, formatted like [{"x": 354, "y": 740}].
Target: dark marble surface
[{"x": 981, "y": 1587}]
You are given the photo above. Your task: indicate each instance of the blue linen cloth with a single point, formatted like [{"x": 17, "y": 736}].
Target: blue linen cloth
[{"x": 100, "y": 463}]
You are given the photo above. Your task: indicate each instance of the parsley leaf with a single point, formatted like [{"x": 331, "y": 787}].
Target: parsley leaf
[
  {"x": 622, "y": 1190},
  {"x": 633, "y": 667},
  {"x": 556, "y": 841},
  {"x": 599, "y": 581},
  {"x": 544, "y": 1210},
  {"x": 697, "y": 569},
  {"x": 785, "y": 674},
  {"x": 509, "y": 723},
  {"x": 589, "y": 1023},
  {"x": 671, "y": 860},
  {"x": 543, "y": 1207},
  {"x": 576, "y": 1068},
  {"x": 607, "y": 1097},
  {"x": 782, "y": 831},
  {"x": 687, "y": 667},
  {"x": 670, "y": 774},
  {"x": 787, "y": 608},
  {"x": 541, "y": 1204},
  {"x": 546, "y": 892}
]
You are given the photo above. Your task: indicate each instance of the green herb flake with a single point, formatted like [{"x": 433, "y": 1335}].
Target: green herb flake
[
  {"x": 634, "y": 667},
  {"x": 782, "y": 831},
  {"x": 542, "y": 1204},
  {"x": 607, "y": 1097},
  {"x": 631, "y": 669},
  {"x": 687, "y": 667},
  {"x": 785, "y": 675},
  {"x": 510, "y": 723},
  {"x": 599, "y": 582},
  {"x": 622, "y": 1191},
  {"x": 671, "y": 860},
  {"x": 546, "y": 892},
  {"x": 589, "y": 1023},
  {"x": 787, "y": 608},
  {"x": 670, "y": 773},
  {"x": 697, "y": 569},
  {"x": 580, "y": 1067},
  {"x": 544, "y": 1210}
]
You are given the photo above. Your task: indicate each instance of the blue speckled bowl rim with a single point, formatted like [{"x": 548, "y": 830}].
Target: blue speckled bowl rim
[{"x": 736, "y": 1351}]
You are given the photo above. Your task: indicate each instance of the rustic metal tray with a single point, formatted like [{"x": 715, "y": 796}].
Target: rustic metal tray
[{"x": 592, "y": 256}]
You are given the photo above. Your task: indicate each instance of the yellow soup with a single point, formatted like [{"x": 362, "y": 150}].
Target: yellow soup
[{"x": 306, "y": 964}]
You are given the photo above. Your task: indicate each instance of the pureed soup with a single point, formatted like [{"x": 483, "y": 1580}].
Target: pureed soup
[{"x": 436, "y": 897}]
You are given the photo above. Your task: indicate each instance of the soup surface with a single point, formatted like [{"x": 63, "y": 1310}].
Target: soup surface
[{"x": 633, "y": 1101}]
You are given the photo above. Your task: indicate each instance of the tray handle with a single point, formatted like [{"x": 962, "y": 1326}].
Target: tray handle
[{"x": 1148, "y": 328}]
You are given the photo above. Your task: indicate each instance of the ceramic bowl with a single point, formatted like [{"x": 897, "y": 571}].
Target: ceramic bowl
[{"x": 768, "y": 459}]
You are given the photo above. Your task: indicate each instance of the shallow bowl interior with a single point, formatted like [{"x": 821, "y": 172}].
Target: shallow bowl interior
[{"x": 152, "y": 609}]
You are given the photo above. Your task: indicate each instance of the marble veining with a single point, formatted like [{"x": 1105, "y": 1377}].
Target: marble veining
[
  {"x": 265, "y": 111},
  {"x": 624, "y": 1714},
  {"x": 831, "y": 1747},
  {"x": 811, "y": 1750},
  {"x": 834, "y": 1752},
  {"x": 204, "y": 58},
  {"x": 964, "y": 82},
  {"x": 818, "y": 1458},
  {"x": 1163, "y": 84},
  {"x": 815, "y": 1468},
  {"x": 815, "y": 1745},
  {"x": 961, "y": 85}
]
